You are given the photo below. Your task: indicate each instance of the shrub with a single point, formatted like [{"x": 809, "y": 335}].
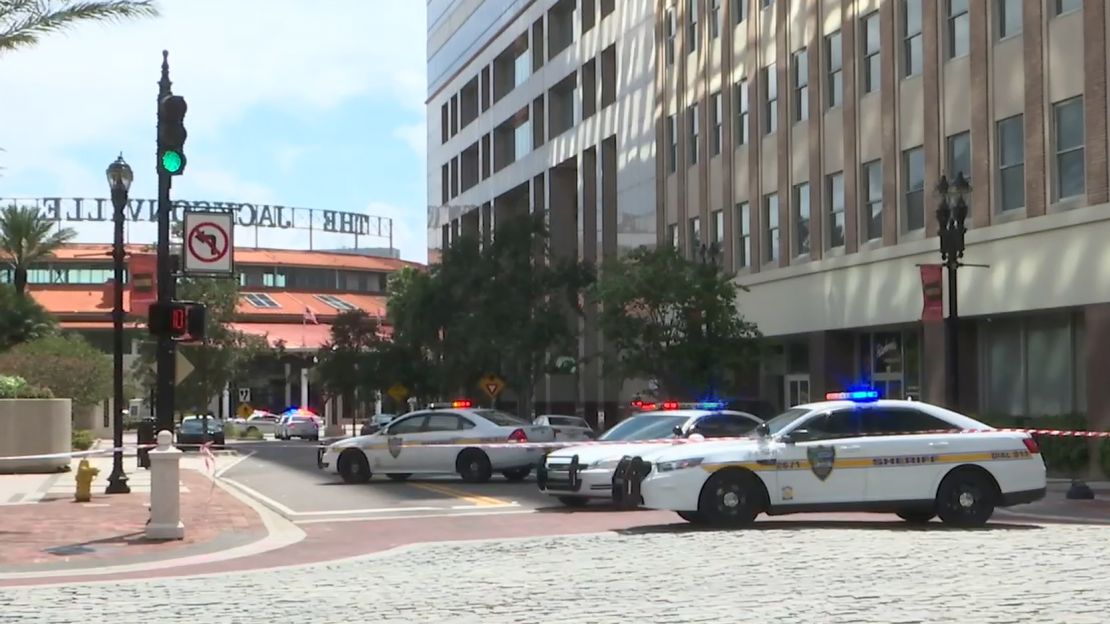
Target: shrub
[
  {"x": 15, "y": 387},
  {"x": 68, "y": 365},
  {"x": 82, "y": 440},
  {"x": 1062, "y": 456}
]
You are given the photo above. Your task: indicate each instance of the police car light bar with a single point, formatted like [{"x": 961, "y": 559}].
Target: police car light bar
[
  {"x": 859, "y": 396},
  {"x": 462, "y": 403},
  {"x": 710, "y": 405},
  {"x": 454, "y": 404}
]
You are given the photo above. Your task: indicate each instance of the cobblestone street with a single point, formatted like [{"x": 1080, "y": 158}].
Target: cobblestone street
[{"x": 782, "y": 571}]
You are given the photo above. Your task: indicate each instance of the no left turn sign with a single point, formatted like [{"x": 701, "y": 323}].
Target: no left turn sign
[{"x": 208, "y": 242}]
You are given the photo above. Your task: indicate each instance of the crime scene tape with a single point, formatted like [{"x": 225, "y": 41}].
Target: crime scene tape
[{"x": 129, "y": 450}]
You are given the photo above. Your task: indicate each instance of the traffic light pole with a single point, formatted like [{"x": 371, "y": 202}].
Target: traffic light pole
[{"x": 167, "y": 348}]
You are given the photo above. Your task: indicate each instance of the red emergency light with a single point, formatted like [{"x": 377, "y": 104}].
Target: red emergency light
[{"x": 461, "y": 403}]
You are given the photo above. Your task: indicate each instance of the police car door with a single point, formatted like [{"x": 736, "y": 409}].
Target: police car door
[
  {"x": 907, "y": 463},
  {"x": 440, "y": 428},
  {"x": 389, "y": 453},
  {"x": 821, "y": 461}
]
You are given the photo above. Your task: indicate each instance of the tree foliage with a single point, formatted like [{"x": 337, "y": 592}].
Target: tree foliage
[
  {"x": 348, "y": 362},
  {"x": 21, "y": 319},
  {"x": 23, "y": 22},
  {"x": 674, "y": 320},
  {"x": 66, "y": 364},
  {"x": 26, "y": 239}
]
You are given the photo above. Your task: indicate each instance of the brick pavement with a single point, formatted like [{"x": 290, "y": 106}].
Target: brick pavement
[{"x": 785, "y": 571}]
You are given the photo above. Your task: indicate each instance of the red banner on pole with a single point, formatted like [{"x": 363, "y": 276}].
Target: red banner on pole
[
  {"x": 932, "y": 292},
  {"x": 142, "y": 282}
]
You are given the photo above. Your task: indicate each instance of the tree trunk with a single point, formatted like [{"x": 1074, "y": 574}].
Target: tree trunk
[{"x": 20, "y": 281}]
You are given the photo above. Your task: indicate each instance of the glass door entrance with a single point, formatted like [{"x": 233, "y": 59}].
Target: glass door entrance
[{"x": 797, "y": 389}]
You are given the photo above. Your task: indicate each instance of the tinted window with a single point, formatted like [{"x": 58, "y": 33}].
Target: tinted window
[
  {"x": 441, "y": 422},
  {"x": 408, "y": 425},
  {"x": 785, "y": 419},
  {"x": 839, "y": 424},
  {"x": 723, "y": 425},
  {"x": 567, "y": 421},
  {"x": 500, "y": 418},
  {"x": 465, "y": 423},
  {"x": 644, "y": 427},
  {"x": 894, "y": 421},
  {"x": 196, "y": 426}
]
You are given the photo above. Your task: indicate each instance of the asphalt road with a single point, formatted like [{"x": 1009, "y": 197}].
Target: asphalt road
[{"x": 284, "y": 476}]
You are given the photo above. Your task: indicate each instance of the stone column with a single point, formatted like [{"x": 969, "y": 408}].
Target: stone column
[{"x": 165, "y": 491}]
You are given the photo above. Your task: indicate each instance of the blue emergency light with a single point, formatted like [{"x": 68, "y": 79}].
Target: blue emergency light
[
  {"x": 710, "y": 405},
  {"x": 859, "y": 396}
]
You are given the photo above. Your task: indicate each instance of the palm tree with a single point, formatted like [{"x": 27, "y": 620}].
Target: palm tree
[
  {"x": 22, "y": 22},
  {"x": 26, "y": 239}
]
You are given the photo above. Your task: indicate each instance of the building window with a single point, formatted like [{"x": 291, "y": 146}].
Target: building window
[
  {"x": 692, "y": 128},
  {"x": 770, "y": 105},
  {"x": 1033, "y": 366},
  {"x": 740, "y": 10},
  {"x": 672, "y": 143},
  {"x": 691, "y": 26},
  {"x": 669, "y": 26},
  {"x": 741, "y": 98},
  {"x": 714, "y": 19},
  {"x": 715, "y": 108},
  {"x": 336, "y": 303},
  {"x": 834, "y": 207},
  {"x": 693, "y": 234},
  {"x": 672, "y": 235},
  {"x": 872, "y": 78},
  {"x": 872, "y": 216},
  {"x": 911, "y": 38},
  {"x": 800, "y": 69},
  {"x": 1068, "y": 136},
  {"x": 766, "y": 3},
  {"x": 959, "y": 155},
  {"x": 744, "y": 235},
  {"x": 835, "y": 70},
  {"x": 771, "y": 227},
  {"x": 801, "y": 219},
  {"x": 1011, "y": 163},
  {"x": 718, "y": 227},
  {"x": 913, "y": 172},
  {"x": 260, "y": 300},
  {"x": 957, "y": 30},
  {"x": 1008, "y": 18},
  {"x": 1066, "y": 6}
]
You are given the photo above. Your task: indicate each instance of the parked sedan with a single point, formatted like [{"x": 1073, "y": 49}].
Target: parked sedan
[
  {"x": 190, "y": 433},
  {"x": 259, "y": 423},
  {"x": 304, "y": 427},
  {"x": 567, "y": 427}
]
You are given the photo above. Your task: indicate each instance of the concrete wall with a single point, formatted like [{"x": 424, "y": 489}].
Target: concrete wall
[{"x": 35, "y": 427}]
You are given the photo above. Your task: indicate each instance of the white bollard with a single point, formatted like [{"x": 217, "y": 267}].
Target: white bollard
[{"x": 165, "y": 491}]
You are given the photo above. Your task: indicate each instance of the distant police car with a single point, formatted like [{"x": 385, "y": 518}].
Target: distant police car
[
  {"x": 852, "y": 452},
  {"x": 578, "y": 473},
  {"x": 405, "y": 446}
]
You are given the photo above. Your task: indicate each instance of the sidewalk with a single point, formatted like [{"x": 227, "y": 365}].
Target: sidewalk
[
  {"x": 1056, "y": 507},
  {"x": 45, "y": 530}
]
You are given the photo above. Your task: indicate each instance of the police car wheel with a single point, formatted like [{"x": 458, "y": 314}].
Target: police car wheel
[
  {"x": 473, "y": 466},
  {"x": 966, "y": 498},
  {"x": 692, "y": 517},
  {"x": 574, "y": 501},
  {"x": 517, "y": 474},
  {"x": 399, "y": 476},
  {"x": 353, "y": 467},
  {"x": 731, "y": 498},
  {"x": 916, "y": 516}
]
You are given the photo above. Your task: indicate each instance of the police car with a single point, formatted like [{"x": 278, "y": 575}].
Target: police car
[
  {"x": 414, "y": 444},
  {"x": 577, "y": 474},
  {"x": 852, "y": 452}
]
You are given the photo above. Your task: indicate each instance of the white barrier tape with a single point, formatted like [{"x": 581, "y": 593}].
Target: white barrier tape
[{"x": 72, "y": 454}]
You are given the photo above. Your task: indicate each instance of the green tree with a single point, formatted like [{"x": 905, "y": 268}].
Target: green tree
[
  {"x": 674, "y": 320},
  {"x": 23, "y": 22},
  {"x": 346, "y": 362},
  {"x": 21, "y": 319},
  {"x": 66, "y": 364},
  {"x": 26, "y": 239}
]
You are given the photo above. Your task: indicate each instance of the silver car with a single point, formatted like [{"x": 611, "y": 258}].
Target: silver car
[
  {"x": 567, "y": 427},
  {"x": 304, "y": 427}
]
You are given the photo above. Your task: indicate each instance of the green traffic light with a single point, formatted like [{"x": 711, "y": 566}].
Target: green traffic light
[{"x": 171, "y": 161}]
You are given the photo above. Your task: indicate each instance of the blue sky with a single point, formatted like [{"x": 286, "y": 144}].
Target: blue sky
[{"x": 312, "y": 104}]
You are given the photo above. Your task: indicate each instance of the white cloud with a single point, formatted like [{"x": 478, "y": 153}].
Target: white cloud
[
  {"x": 416, "y": 136},
  {"x": 410, "y": 229}
]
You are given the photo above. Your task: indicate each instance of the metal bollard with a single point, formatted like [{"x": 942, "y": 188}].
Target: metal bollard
[{"x": 165, "y": 491}]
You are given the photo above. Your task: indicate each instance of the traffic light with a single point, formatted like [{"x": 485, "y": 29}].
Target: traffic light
[
  {"x": 171, "y": 135},
  {"x": 181, "y": 320}
]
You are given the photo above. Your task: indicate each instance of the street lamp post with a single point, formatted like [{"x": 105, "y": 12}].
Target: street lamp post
[
  {"x": 709, "y": 256},
  {"x": 119, "y": 180},
  {"x": 951, "y": 218}
]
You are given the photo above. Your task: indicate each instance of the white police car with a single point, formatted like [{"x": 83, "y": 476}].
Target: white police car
[
  {"x": 852, "y": 452},
  {"x": 577, "y": 474},
  {"x": 435, "y": 441}
]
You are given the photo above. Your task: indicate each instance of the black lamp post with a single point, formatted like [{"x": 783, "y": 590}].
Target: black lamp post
[
  {"x": 951, "y": 217},
  {"x": 119, "y": 180},
  {"x": 709, "y": 256}
]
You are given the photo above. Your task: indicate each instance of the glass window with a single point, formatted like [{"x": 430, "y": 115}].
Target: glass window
[
  {"x": 412, "y": 424},
  {"x": 336, "y": 302},
  {"x": 740, "y": 10},
  {"x": 672, "y": 235},
  {"x": 1066, "y": 6},
  {"x": 1006, "y": 381},
  {"x": 723, "y": 425},
  {"x": 957, "y": 33},
  {"x": 870, "y": 52},
  {"x": 800, "y": 70},
  {"x": 872, "y": 216},
  {"x": 522, "y": 139},
  {"x": 834, "y": 95},
  {"x": 834, "y": 194},
  {"x": 691, "y": 26},
  {"x": 692, "y": 128},
  {"x": 766, "y": 3},
  {"x": 694, "y": 234},
  {"x": 441, "y": 422},
  {"x": 839, "y": 424},
  {"x": 771, "y": 104},
  {"x": 260, "y": 300},
  {"x": 672, "y": 143},
  {"x": 717, "y": 122},
  {"x": 911, "y": 38},
  {"x": 913, "y": 171},
  {"x": 499, "y": 418},
  {"x": 890, "y": 421},
  {"x": 1011, "y": 163},
  {"x": 801, "y": 219},
  {"x": 959, "y": 155},
  {"x": 522, "y": 68},
  {"x": 744, "y": 235},
  {"x": 1048, "y": 365},
  {"x": 714, "y": 19},
  {"x": 718, "y": 226},
  {"x": 1068, "y": 132},
  {"x": 741, "y": 97},
  {"x": 644, "y": 427},
  {"x": 771, "y": 227},
  {"x": 1009, "y": 18},
  {"x": 669, "y": 25}
]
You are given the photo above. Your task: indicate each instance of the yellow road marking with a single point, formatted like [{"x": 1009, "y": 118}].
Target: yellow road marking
[{"x": 475, "y": 499}]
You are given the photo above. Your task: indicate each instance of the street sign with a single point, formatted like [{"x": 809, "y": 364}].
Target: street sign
[
  {"x": 208, "y": 244},
  {"x": 491, "y": 385},
  {"x": 398, "y": 392},
  {"x": 244, "y": 395},
  {"x": 182, "y": 368},
  {"x": 244, "y": 411}
]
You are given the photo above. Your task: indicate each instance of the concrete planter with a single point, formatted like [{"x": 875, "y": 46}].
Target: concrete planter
[{"x": 35, "y": 427}]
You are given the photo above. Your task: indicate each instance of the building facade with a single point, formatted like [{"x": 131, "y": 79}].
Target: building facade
[
  {"x": 545, "y": 107},
  {"x": 805, "y": 137}
]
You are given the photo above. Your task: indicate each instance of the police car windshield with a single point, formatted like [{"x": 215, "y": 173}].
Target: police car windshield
[
  {"x": 500, "y": 418},
  {"x": 644, "y": 427},
  {"x": 785, "y": 419}
]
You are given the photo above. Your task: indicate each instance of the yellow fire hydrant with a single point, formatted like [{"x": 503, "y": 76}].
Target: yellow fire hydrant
[{"x": 85, "y": 476}]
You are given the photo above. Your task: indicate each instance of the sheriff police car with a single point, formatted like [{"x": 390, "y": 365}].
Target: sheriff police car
[
  {"x": 852, "y": 452},
  {"x": 577, "y": 474},
  {"x": 434, "y": 441}
]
